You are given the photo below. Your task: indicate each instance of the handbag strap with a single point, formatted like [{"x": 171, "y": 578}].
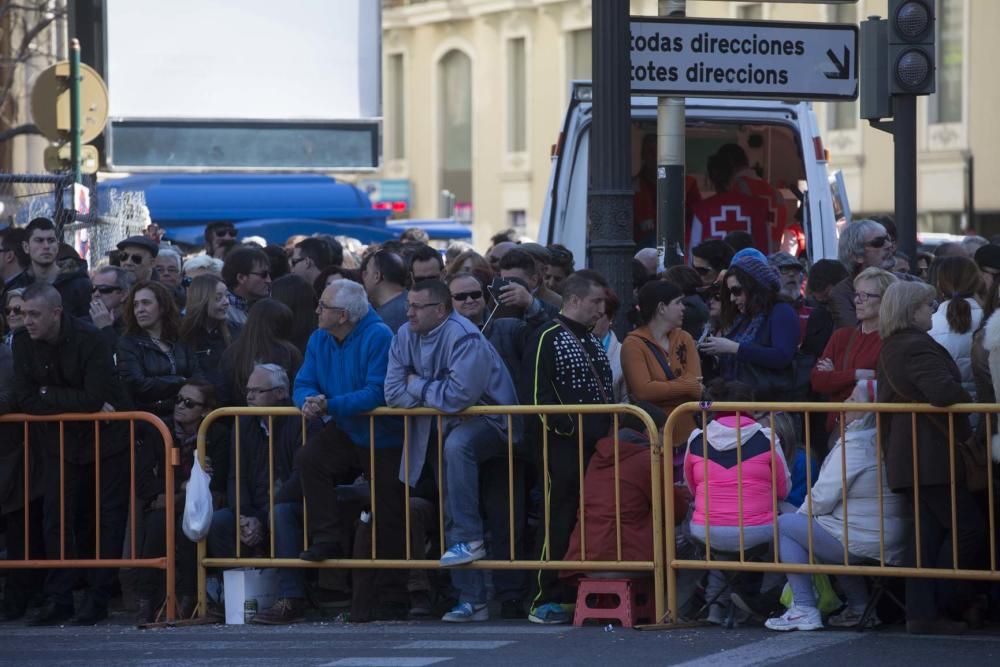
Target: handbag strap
[
  {"x": 658, "y": 353},
  {"x": 590, "y": 362},
  {"x": 885, "y": 376}
]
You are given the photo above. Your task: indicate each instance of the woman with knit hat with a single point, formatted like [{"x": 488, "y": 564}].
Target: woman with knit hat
[{"x": 765, "y": 332}]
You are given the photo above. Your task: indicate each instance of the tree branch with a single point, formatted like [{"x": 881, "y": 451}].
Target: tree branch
[{"x": 27, "y": 128}]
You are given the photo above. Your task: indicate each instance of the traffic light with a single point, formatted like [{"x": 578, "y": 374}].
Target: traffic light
[
  {"x": 876, "y": 101},
  {"x": 911, "y": 47}
]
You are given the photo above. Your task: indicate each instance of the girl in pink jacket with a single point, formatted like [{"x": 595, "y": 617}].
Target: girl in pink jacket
[{"x": 729, "y": 456}]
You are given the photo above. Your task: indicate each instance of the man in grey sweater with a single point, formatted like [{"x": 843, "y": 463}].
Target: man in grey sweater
[{"x": 440, "y": 360}]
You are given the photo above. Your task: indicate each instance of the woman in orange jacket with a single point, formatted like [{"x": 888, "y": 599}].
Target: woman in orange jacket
[{"x": 659, "y": 359}]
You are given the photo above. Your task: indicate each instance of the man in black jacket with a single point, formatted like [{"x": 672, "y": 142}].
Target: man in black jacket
[
  {"x": 62, "y": 365},
  {"x": 42, "y": 246},
  {"x": 565, "y": 364}
]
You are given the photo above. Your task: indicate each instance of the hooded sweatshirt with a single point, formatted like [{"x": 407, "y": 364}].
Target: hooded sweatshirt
[{"x": 726, "y": 462}]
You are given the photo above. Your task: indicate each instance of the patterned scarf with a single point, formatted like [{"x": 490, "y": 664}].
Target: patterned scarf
[{"x": 744, "y": 331}]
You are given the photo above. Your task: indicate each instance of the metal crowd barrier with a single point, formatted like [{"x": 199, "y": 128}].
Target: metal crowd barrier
[
  {"x": 171, "y": 454},
  {"x": 654, "y": 567},
  {"x": 764, "y": 414}
]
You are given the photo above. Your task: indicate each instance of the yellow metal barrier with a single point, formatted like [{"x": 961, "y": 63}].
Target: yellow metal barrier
[
  {"x": 655, "y": 567},
  {"x": 760, "y": 412}
]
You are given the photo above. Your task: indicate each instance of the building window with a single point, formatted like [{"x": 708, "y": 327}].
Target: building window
[
  {"x": 517, "y": 96},
  {"x": 455, "y": 125},
  {"x": 945, "y": 106},
  {"x": 843, "y": 115},
  {"x": 580, "y": 55},
  {"x": 517, "y": 220},
  {"x": 395, "y": 120}
]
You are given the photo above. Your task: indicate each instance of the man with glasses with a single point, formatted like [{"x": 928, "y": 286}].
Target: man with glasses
[
  {"x": 341, "y": 379},
  {"x": 440, "y": 360},
  {"x": 791, "y": 273},
  {"x": 111, "y": 286},
  {"x": 267, "y": 387},
  {"x": 862, "y": 243},
  {"x": 426, "y": 263},
  {"x": 309, "y": 257},
  {"x": 218, "y": 237},
  {"x": 247, "y": 273},
  {"x": 136, "y": 255},
  {"x": 710, "y": 258}
]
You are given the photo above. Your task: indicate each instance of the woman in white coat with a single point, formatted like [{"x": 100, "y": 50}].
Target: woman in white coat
[
  {"x": 960, "y": 314},
  {"x": 856, "y": 458}
]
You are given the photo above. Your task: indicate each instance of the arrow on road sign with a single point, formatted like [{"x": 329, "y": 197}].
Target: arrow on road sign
[{"x": 843, "y": 67}]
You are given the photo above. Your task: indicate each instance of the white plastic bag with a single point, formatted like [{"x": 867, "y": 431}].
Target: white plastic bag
[{"x": 198, "y": 504}]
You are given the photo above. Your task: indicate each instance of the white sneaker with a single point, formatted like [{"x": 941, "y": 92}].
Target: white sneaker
[
  {"x": 850, "y": 618},
  {"x": 796, "y": 618}
]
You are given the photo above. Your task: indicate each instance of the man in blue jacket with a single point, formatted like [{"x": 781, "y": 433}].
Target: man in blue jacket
[
  {"x": 341, "y": 379},
  {"x": 440, "y": 360}
]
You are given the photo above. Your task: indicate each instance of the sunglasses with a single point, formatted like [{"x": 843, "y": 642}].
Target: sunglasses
[
  {"x": 105, "y": 289},
  {"x": 16, "y": 310},
  {"x": 878, "y": 242},
  {"x": 188, "y": 403},
  {"x": 736, "y": 291},
  {"x": 262, "y": 274},
  {"x": 229, "y": 232},
  {"x": 136, "y": 259},
  {"x": 465, "y": 296},
  {"x": 703, "y": 270}
]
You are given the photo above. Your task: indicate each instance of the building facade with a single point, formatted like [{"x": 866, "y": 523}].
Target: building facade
[{"x": 474, "y": 92}]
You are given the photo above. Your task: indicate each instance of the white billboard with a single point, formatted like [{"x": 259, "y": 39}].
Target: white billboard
[{"x": 227, "y": 61}]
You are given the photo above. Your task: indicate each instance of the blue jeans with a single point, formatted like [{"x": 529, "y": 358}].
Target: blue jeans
[
  {"x": 467, "y": 447},
  {"x": 793, "y": 531},
  {"x": 287, "y": 543}
]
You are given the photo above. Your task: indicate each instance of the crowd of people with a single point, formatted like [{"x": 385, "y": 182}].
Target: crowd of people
[{"x": 338, "y": 330}]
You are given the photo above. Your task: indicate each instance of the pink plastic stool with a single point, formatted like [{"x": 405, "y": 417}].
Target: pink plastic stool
[{"x": 628, "y": 601}]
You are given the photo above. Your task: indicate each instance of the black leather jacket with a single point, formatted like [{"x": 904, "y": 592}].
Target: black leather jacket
[{"x": 151, "y": 375}]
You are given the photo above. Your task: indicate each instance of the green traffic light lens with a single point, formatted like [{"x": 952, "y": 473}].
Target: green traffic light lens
[
  {"x": 912, "y": 19},
  {"x": 912, "y": 69}
]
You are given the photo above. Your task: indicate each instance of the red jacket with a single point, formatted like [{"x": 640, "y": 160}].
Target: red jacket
[
  {"x": 849, "y": 350},
  {"x": 635, "y": 493},
  {"x": 726, "y": 212}
]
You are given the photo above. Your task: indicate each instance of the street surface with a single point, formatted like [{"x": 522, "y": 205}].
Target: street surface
[{"x": 413, "y": 644}]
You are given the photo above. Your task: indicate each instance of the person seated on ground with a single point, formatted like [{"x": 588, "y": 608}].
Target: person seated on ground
[
  {"x": 439, "y": 360},
  {"x": 267, "y": 387},
  {"x": 353, "y": 340},
  {"x": 717, "y": 518},
  {"x": 194, "y": 401},
  {"x": 635, "y": 499},
  {"x": 872, "y": 505},
  {"x": 152, "y": 360}
]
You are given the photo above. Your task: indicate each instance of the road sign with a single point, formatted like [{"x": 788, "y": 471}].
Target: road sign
[
  {"x": 50, "y": 102},
  {"x": 717, "y": 58}
]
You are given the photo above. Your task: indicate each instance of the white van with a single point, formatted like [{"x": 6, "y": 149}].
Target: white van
[{"x": 781, "y": 139}]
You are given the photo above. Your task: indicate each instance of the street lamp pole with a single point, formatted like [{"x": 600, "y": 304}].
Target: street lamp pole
[{"x": 609, "y": 198}]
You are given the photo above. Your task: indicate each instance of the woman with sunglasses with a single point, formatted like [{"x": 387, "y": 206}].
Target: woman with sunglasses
[
  {"x": 152, "y": 360},
  {"x": 764, "y": 335},
  {"x": 851, "y": 355},
  {"x": 659, "y": 359},
  {"x": 206, "y": 326},
  {"x": 194, "y": 401}
]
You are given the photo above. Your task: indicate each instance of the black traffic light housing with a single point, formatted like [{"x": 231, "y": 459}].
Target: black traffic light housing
[{"x": 911, "y": 56}]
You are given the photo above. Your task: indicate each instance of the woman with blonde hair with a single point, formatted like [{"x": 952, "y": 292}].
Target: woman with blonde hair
[{"x": 205, "y": 326}]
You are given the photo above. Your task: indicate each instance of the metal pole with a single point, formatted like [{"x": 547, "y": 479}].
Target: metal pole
[
  {"x": 609, "y": 198},
  {"x": 670, "y": 166},
  {"x": 74, "y": 107},
  {"x": 970, "y": 194},
  {"x": 904, "y": 142}
]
